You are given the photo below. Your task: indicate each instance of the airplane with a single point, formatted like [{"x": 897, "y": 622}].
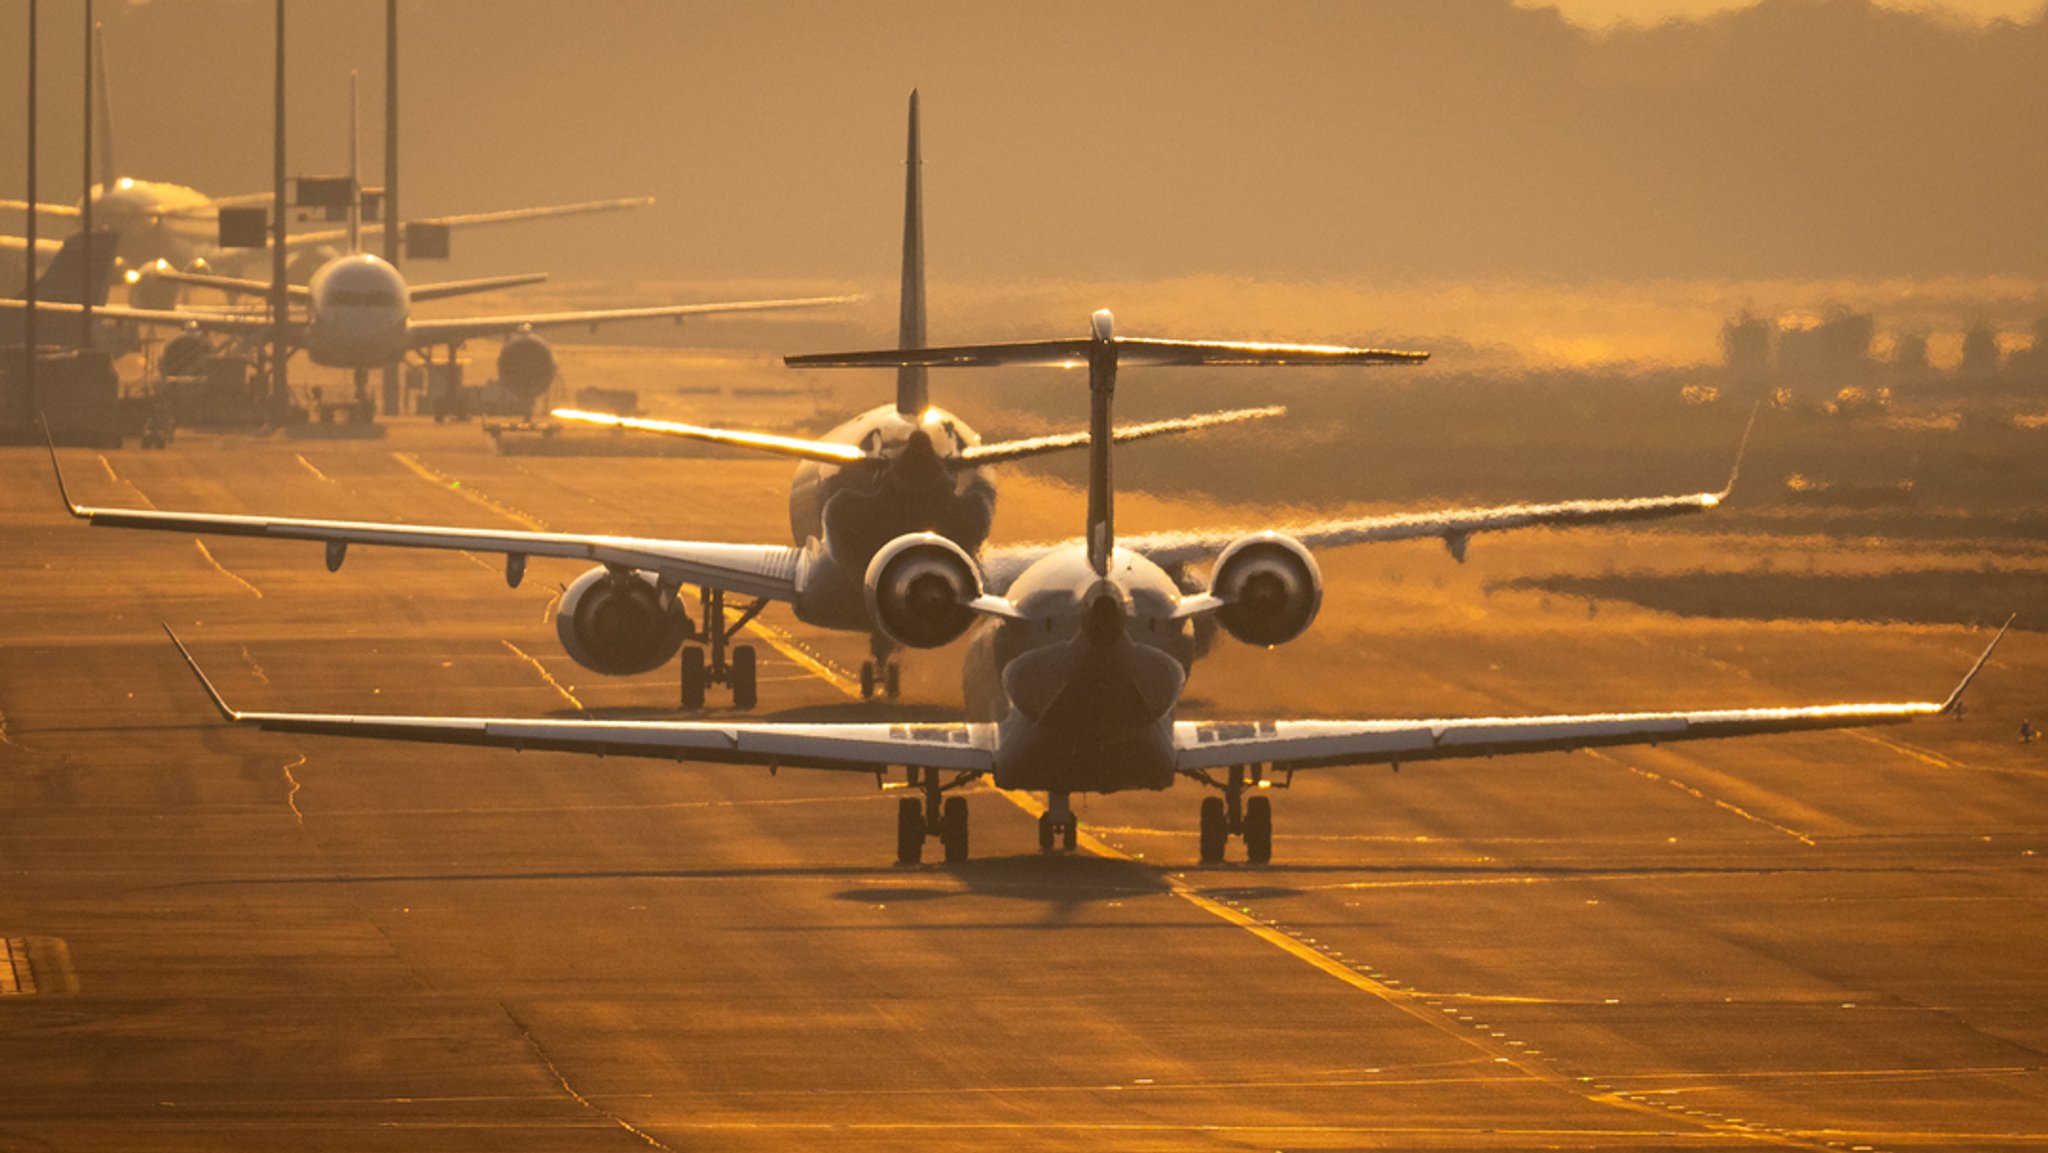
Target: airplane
[
  {"x": 165, "y": 227},
  {"x": 906, "y": 467},
  {"x": 1086, "y": 667},
  {"x": 895, "y": 470},
  {"x": 359, "y": 311}
]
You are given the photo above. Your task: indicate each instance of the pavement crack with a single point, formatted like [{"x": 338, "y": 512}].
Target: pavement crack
[
  {"x": 562, "y": 1080},
  {"x": 291, "y": 797}
]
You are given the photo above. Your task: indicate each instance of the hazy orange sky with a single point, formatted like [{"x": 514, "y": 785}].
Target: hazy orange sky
[{"x": 1360, "y": 146}]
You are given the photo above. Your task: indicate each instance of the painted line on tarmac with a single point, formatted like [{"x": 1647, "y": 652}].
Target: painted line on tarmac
[
  {"x": 311, "y": 467},
  {"x": 225, "y": 570},
  {"x": 547, "y": 676},
  {"x": 455, "y": 485},
  {"x": 1681, "y": 786}
]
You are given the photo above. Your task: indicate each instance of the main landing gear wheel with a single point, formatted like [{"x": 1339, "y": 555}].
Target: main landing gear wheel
[
  {"x": 1233, "y": 813},
  {"x": 695, "y": 679},
  {"x": 932, "y": 814},
  {"x": 909, "y": 831},
  {"x": 953, "y": 830},
  {"x": 702, "y": 668},
  {"x": 1215, "y": 830},
  {"x": 1258, "y": 830}
]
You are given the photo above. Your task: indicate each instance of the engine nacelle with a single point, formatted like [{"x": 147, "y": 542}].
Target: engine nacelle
[
  {"x": 1271, "y": 589},
  {"x": 148, "y": 290},
  {"x": 526, "y": 366},
  {"x": 184, "y": 354},
  {"x": 918, "y": 589},
  {"x": 615, "y": 623}
]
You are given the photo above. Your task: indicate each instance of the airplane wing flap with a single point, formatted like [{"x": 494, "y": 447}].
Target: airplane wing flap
[
  {"x": 426, "y": 333},
  {"x": 1290, "y": 745},
  {"x": 862, "y": 748},
  {"x": 750, "y": 570}
]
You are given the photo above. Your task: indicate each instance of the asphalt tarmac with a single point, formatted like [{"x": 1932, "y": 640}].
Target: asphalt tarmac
[{"x": 221, "y": 939}]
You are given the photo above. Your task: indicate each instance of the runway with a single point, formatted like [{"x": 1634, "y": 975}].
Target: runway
[{"x": 244, "y": 940}]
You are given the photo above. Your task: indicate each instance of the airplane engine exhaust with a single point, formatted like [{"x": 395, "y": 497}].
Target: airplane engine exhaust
[
  {"x": 918, "y": 589},
  {"x": 615, "y": 623},
  {"x": 526, "y": 366},
  {"x": 1272, "y": 588}
]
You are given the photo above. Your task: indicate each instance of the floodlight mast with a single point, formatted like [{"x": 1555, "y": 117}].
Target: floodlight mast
[{"x": 279, "y": 292}]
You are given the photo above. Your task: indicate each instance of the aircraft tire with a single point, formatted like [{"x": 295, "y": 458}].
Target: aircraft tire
[
  {"x": 867, "y": 680},
  {"x": 892, "y": 680},
  {"x": 1214, "y": 833},
  {"x": 693, "y": 677},
  {"x": 745, "y": 689},
  {"x": 1045, "y": 832},
  {"x": 909, "y": 831},
  {"x": 1258, "y": 830},
  {"x": 953, "y": 830}
]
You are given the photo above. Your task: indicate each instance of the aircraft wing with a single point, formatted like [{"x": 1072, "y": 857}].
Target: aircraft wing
[
  {"x": 243, "y": 323},
  {"x": 823, "y": 451},
  {"x": 470, "y": 219},
  {"x": 997, "y": 452},
  {"x": 1455, "y": 527},
  {"x": 43, "y": 207},
  {"x": 427, "y": 333},
  {"x": 864, "y": 748},
  {"x": 770, "y": 571},
  {"x": 44, "y": 244},
  {"x": 1290, "y": 745}
]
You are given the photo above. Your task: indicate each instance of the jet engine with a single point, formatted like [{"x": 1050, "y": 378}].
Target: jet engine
[
  {"x": 619, "y": 623},
  {"x": 918, "y": 589},
  {"x": 148, "y": 290},
  {"x": 1271, "y": 589},
  {"x": 526, "y": 366},
  {"x": 184, "y": 354}
]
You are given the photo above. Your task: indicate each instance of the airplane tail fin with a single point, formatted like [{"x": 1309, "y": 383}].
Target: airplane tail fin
[
  {"x": 912, "y": 391},
  {"x": 67, "y": 280},
  {"x": 355, "y": 184},
  {"x": 105, "y": 128}
]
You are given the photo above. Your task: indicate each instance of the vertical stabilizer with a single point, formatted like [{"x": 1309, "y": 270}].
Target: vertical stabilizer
[
  {"x": 1101, "y": 438},
  {"x": 105, "y": 112},
  {"x": 355, "y": 183},
  {"x": 912, "y": 392}
]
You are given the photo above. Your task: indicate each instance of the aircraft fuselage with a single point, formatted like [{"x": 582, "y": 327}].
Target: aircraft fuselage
[
  {"x": 843, "y": 514},
  {"x": 1083, "y": 684},
  {"x": 358, "y": 312}
]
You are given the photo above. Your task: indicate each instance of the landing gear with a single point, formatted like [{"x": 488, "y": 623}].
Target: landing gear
[
  {"x": 699, "y": 673},
  {"x": 932, "y": 815},
  {"x": 1249, "y": 818},
  {"x": 880, "y": 672},
  {"x": 1057, "y": 826}
]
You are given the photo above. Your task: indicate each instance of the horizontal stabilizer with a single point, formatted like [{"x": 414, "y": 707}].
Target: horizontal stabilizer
[
  {"x": 1073, "y": 353},
  {"x": 1008, "y": 450},
  {"x": 818, "y": 450}
]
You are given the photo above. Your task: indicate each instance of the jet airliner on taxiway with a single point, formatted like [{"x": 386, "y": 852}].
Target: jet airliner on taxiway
[
  {"x": 161, "y": 226},
  {"x": 1087, "y": 670}
]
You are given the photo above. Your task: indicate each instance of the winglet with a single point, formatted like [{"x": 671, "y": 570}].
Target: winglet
[
  {"x": 212, "y": 692},
  {"x": 1741, "y": 450},
  {"x": 51, "y": 443},
  {"x": 1956, "y": 698}
]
